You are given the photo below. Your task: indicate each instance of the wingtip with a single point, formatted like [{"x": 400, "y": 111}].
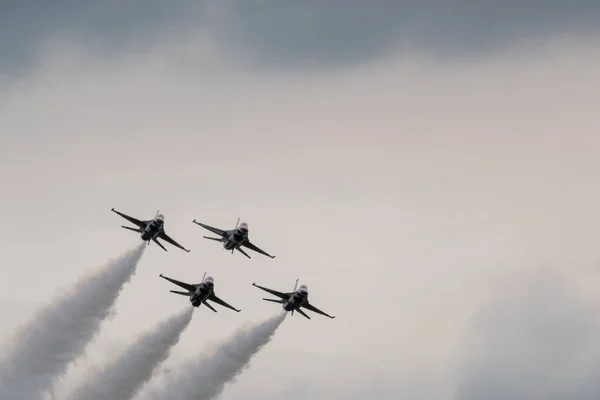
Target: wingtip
[
  {"x": 112, "y": 209},
  {"x": 253, "y": 284},
  {"x": 187, "y": 251},
  {"x": 161, "y": 275}
]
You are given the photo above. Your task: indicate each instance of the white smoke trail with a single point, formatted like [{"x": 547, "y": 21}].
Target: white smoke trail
[
  {"x": 205, "y": 378},
  {"x": 122, "y": 378},
  {"x": 58, "y": 333}
]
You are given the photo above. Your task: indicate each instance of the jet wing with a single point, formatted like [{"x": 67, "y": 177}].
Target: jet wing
[
  {"x": 187, "y": 286},
  {"x": 281, "y": 295},
  {"x": 217, "y": 300},
  {"x": 166, "y": 238},
  {"x": 135, "y": 221},
  {"x": 312, "y": 308},
  {"x": 216, "y": 231},
  {"x": 251, "y": 246}
]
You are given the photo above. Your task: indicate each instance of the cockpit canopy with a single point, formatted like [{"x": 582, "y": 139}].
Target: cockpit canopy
[
  {"x": 303, "y": 289},
  {"x": 243, "y": 227},
  {"x": 209, "y": 281},
  {"x": 160, "y": 218}
]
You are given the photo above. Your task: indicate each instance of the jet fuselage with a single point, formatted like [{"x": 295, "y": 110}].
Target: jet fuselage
[
  {"x": 201, "y": 294},
  {"x": 235, "y": 239},
  {"x": 295, "y": 302},
  {"x": 152, "y": 230}
]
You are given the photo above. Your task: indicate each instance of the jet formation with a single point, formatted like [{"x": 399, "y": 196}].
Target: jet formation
[{"x": 231, "y": 239}]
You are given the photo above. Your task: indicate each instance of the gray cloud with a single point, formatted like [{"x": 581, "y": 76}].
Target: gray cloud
[
  {"x": 536, "y": 338},
  {"x": 111, "y": 26},
  {"x": 286, "y": 33},
  {"x": 335, "y": 33}
]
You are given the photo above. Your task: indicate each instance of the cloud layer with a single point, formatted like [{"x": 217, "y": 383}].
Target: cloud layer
[{"x": 288, "y": 34}]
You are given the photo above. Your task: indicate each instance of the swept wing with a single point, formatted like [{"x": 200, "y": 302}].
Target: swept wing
[
  {"x": 167, "y": 239},
  {"x": 251, "y": 246},
  {"x": 217, "y": 300},
  {"x": 281, "y": 295},
  {"x": 214, "y": 230},
  {"x": 139, "y": 223},
  {"x": 312, "y": 308},
  {"x": 189, "y": 287}
]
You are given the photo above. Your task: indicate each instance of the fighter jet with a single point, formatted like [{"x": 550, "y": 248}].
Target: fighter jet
[
  {"x": 200, "y": 292},
  {"x": 293, "y": 301},
  {"x": 153, "y": 229},
  {"x": 234, "y": 239}
]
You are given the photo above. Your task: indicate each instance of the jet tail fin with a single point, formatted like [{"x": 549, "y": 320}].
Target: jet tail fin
[
  {"x": 178, "y": 292},
  {"x": 296, "y": 284}
]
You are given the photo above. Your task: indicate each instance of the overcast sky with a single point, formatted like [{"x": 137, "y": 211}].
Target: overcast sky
[{"x": 428, "y": 169}]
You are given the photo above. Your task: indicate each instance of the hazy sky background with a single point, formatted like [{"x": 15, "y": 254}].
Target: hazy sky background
[{"x": 429, "y": 170}]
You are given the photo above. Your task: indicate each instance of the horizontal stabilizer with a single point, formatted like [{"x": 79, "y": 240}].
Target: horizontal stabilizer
[
  {"x": 242, "y": 251},
  {"x": 302, "y": 313},
  {"x": 138, "y": 230},
  {"x": 158, "y": 243},
  {"x": 274, "y": 300},
  {"x": 178, "y": 292},
  {"x": 212, "y": 238},
  {"x": 209, "y": 306}
]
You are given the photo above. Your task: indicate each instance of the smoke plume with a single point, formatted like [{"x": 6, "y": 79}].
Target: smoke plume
[
  {"x": 122, "y": 378},
  {"x": 206, "y": 377},
  {"x": 57, "y": 334}
]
